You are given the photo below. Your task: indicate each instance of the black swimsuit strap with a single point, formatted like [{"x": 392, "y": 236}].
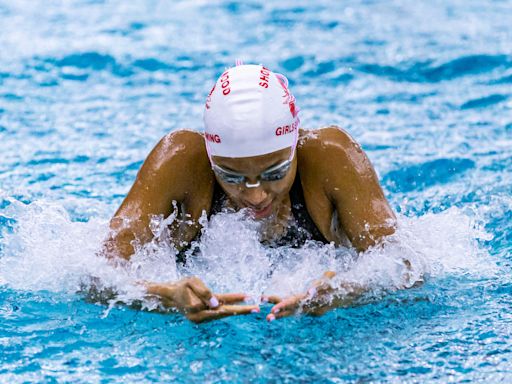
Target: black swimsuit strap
[{"x": 302, "y": 227}]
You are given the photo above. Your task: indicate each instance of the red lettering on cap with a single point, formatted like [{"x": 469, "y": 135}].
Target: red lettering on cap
[
  {"x": 264, "y": 74},
  {"x": 209, "y": 98},
  {"x": 224, "y": 80},
  {"x": 212, "y": 137},
  {"x": 293, "y": 110},
  {"x": 285, "y": 129}
]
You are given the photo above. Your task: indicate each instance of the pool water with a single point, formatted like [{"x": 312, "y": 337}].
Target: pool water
[{"x": 87, "y": 88}]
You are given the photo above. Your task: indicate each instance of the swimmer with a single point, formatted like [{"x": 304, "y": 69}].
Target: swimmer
[{"x": 254, "y": 156}]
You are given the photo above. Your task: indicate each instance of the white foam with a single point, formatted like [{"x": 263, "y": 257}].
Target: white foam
[{"x": 46, "y": 250}]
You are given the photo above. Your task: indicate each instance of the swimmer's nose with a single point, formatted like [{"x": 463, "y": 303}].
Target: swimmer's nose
[{"x": 254, "y": 197}]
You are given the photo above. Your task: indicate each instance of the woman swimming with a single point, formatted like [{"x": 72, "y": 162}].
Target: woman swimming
[{"x": 253, "y": 156}]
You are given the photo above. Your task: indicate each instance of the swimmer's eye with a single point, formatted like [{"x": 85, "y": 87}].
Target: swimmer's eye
[
  {"x": 227, "y": 177},
  {"x": 276, "y": 173}
]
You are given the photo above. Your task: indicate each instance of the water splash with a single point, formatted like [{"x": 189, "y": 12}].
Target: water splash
[{"x": 46, "y": 250}]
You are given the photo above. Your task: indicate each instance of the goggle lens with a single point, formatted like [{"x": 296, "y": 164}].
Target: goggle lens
[{"x": 273, "y": 174}]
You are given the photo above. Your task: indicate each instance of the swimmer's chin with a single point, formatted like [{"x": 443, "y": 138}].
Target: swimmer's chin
[{"x": 262, "y": 213}]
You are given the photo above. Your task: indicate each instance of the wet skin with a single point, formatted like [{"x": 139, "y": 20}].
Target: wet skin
[
  {"x": 271, "y": 199},
  {"x": 337, "y": 179}
]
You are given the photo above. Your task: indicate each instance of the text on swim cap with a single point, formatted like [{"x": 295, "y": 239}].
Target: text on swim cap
[
  {"x": 224, "y": 83},
  {"x": 285, "y": 129},
  {"x": 213, "y": 138},
  {"x": 264, "y": 74},
  {"x": 209, "y": 98}
]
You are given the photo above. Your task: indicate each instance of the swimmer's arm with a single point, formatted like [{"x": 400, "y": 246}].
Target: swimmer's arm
[
  {"x": 189, "y": 296},
  {"x": 328, "y": 293},
  {"x": 350, "y": 187},
  {"x": 319, "y": 299},
  {"x": 362, "y": 209},
  {"x": 177, "y": 169}
]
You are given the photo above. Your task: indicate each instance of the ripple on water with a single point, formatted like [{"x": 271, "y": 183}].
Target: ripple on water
[
  {"x": 421, "y": 176},
  {"x": 152, "y": 65},
  {"x": 242, "y": 7},
  {"x": 503, "y": 80},
  {"x": 321, "y": 69},
  {"x": 293, "y": 63},
  {"x": 91, "y": 61},
  {"x": 426, "y": 72},
  {"x": 483, "y": 102},
  {"x": 468, "y": 65}
]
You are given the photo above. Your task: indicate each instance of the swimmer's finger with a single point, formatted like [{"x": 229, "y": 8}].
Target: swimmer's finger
[
  {"x": 202, "y": 292},
  {"x": 329, "y": 274},
  {"x": 320, "y": 290},
  {"x": 272, "y": 316},
  {"x": 291, "y": 303},
  {"x": 161, "y": 290},
  {"x": 192, "y": 303},
  {"x": 272, "y": 299},
  {"x": 223, "y": 311},
  {"x": 230, "y": 298}
]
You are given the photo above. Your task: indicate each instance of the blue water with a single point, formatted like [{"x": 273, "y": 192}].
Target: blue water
[{"x": 88, "y": 87}]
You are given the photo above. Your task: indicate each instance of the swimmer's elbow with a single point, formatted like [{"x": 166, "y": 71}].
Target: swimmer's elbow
[
  {"x": 112, "y": 249},
  {"x": 118, "y": 244},
  {"x": 374, "y": 236}
]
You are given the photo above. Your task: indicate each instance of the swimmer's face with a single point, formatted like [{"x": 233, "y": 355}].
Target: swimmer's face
[{"x": 263, "y": 199}]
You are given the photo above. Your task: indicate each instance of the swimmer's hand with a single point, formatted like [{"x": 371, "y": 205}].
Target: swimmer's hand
[
  {"x": 191, "y": 297},
  {"x": 324, "y": 295},
  {"x": 319, "y": 299}
]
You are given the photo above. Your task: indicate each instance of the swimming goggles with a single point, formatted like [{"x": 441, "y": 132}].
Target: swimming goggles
[{"x": 275, "y": 173}]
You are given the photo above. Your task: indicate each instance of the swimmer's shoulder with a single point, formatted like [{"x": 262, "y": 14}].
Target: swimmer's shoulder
[
  {"x": 325, "y": 137},
  {"x": 178, "y": 165},
  {"x": 186, "y": 144},
  {"x": 324, "y": 147},
  {"x": 176, "y": 173}
]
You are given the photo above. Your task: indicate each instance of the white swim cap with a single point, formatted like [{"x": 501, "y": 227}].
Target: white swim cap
[{"x": 250, "y": 112}]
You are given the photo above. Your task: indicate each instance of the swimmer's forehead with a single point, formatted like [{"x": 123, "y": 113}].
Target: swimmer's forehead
[{"x": 256, "y": 164}]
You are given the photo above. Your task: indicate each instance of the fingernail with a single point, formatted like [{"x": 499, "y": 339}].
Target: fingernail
[
  {"x": 275, "y": 310},
  {"x": 271, "y": 317},
  {"x": 255, "y": 310},
  {"x": 214, "y": 303}
]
